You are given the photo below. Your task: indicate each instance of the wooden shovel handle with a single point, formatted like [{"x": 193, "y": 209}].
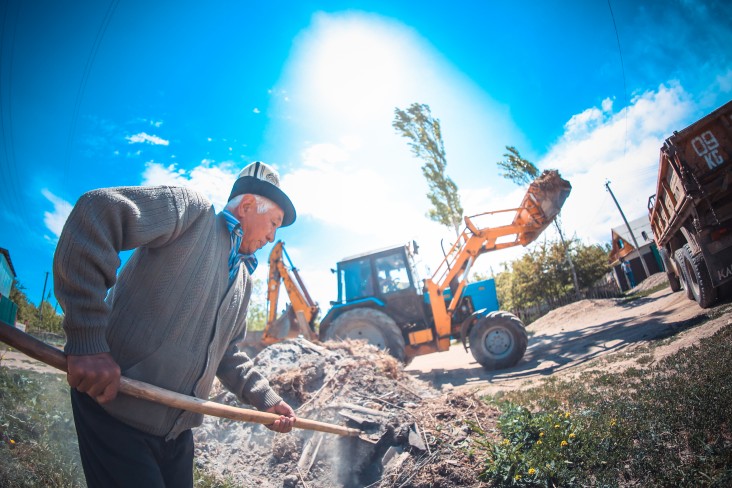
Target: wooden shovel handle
[{"x": 53, "y": 357}]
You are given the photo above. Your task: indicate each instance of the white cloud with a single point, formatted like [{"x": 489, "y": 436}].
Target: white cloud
[
  {"x": 212, "y": 180},
  {"x": 56, "y": 219},
  {"x": 623, "y": 147},
  {"x": 143, "y": 137},
  {"x": 256, "y": 110},
  {"x": 354, "y": 181},
  {"x": 724, "y": 81},
  {"x": 346, "y": 75}
]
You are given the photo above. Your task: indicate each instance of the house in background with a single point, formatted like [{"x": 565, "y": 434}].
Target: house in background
[
  {"x": 8, "y": 309},
  {"x": 623, "y": 248}
]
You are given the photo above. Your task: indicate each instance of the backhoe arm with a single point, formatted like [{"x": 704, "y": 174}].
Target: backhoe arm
[{"x": 303, "y": 309}]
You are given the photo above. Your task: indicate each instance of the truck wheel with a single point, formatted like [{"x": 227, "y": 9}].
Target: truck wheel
[
  {"x": 498, "y": 340},
  {"x": 373, "y": 326},
  {"x": 679, "y": 258},
  {"x": 673, "y": 281},
  {"x": 697, "y": 277}
]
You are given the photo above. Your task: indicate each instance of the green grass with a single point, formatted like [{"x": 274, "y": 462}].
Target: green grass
[
  {"x": 38, "y": 447},
  {"x": 37, "y": 438},
  {"x": 668, "y": 425},
  {"x": 657, "y": 425}
]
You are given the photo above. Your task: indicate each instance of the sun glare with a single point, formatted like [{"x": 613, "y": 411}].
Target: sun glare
[{"x": 356, "y": 65}]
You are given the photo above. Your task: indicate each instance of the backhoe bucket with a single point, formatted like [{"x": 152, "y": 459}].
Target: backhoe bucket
[
  {"x": 281, "y": 327},
  {"x": 289, "y": 325}
]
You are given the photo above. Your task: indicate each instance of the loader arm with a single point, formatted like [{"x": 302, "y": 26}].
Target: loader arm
[
  {"x": 539, "y": 207},
  {"x": 304, "y": 309}
]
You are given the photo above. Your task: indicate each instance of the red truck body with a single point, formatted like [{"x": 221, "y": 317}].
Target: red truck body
[{"x": 691, "y": 212}]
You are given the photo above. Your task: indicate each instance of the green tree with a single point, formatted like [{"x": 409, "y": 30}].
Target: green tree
[
  {"x": 517, "y": 169},
  {"x": 257, "y": 311},
  {"x": 29, "y": 314},
  {"x": 544, "y": 271},
  {"x": 592, "y": 263},
  {"x": 423, "y": 131},
  {"x": 522, "y": 172}
]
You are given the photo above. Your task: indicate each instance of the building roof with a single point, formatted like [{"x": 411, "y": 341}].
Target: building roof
[
  {"x": 6, "y": 253},
  {"x": 641, "y": 228}
]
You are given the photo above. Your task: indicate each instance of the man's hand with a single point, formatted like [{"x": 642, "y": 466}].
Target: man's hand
[
  {"x": 97, "y": 375},
  {"x": 287, "y": 418}
]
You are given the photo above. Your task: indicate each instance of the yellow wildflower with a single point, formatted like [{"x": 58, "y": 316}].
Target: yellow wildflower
[
  {"x": 556, "y": 426},
  {"x": 506, "y": 442},
  {"x": 517, "y": 477},
  {"x": 566, "y": 415},
  {"x": 12, "y": 441},
  {"x": 532, "y": 471},
  {"x": 613, "y": 422},
  {"x": 541, "y": 434},
  {"x": 538, "y": 443},
  {"x": 572, "y": 436},
  {"x": 564, "y": 443}
]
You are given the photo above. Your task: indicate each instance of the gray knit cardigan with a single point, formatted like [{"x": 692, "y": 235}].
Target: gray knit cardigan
[{"x": 170, "y": 318}]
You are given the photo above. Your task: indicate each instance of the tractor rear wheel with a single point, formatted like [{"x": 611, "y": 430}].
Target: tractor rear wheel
[
  {"x": 498, "y": 340},
  {"x": 697, "y": 277},
  {"x": 373, "y": 326}
]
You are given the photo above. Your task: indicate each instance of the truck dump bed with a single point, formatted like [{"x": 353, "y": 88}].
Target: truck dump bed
[{"x": 695, "y": 170}]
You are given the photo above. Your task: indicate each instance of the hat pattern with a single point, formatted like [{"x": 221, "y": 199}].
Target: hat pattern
[{"x": 261, "y": 179}]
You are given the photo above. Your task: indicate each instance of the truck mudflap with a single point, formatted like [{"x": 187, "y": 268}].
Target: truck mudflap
[{"x": 719, "y": 263}]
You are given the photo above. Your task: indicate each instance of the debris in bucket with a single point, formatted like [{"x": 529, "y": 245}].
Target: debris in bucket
[{"x": 413, "y": 436}]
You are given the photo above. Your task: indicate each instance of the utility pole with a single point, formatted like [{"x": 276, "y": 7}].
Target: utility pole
[
  {"x": 577, "y": 292},
  {"x": 632, "y": 236},
  {"x": 40, "y": 307}
]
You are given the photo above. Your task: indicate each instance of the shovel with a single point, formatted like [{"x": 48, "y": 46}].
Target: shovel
[{"x": 53, "y": 357}]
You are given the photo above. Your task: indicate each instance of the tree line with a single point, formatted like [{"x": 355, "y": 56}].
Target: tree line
[
  {"x": 549, "y": 268},
  {"x": 544, "y": 271},
  {"x": 39, "y": 319}
]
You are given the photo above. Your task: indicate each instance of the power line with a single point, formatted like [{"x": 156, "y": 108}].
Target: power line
[
  {"x": 82, "y": 85},
  {"x": 10, "y": 177},
  {"x": 622, "y": 68}
]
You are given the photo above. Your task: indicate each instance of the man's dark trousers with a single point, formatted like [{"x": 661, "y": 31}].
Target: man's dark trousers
[{"x": 114, "y": 454}]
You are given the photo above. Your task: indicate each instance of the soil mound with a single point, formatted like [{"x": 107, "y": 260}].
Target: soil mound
[
  {"x": 568, "y": 313},
  {"x": 412, "y": 436}
]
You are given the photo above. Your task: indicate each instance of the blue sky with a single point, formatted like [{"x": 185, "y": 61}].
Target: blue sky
[{"x": 107, "y": 93}]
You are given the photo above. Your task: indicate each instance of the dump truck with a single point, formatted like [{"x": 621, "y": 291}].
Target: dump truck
[
  {"x": 382, "y": 300},
  {"x": 691, "y": 211}
]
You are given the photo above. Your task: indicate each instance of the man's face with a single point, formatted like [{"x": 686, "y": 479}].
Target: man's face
[{"x": 258, "y": 228}]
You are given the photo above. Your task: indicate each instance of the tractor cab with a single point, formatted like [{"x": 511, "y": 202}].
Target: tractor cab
[{"x": 379, "y": 274}]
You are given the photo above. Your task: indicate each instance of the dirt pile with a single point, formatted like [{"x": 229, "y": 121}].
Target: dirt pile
[
  {"x": 412, "y": 436},
  {"x": 653, "y": 281}
]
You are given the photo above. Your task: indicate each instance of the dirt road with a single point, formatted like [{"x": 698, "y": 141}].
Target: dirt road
[
  {"x": 598, "y": 334},
  {"x": 587, "y": 334}
]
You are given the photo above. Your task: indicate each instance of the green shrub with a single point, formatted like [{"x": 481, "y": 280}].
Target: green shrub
[{"x": 548, "y": 448}]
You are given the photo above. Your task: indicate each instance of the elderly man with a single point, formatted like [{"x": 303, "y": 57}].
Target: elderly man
[{"x": 173, "y": 317}]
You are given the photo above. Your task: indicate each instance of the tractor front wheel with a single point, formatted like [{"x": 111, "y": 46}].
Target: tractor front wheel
[
  {"x": 498, "y": 340},
  {"x": 373, "y": 326}
]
